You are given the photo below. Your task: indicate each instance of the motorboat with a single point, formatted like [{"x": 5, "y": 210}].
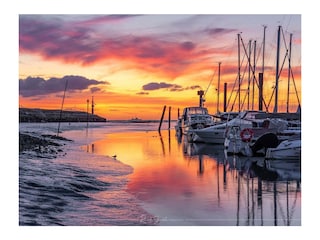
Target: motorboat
[
  {"x": 288, "y": 149},
  {"x": 193, "y": 118}
]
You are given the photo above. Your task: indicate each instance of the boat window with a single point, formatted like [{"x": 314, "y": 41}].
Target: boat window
[
  {"x": 250, "y": 115},
  {"x": 198, "y": 111}
]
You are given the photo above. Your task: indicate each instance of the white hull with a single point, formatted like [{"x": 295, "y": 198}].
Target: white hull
[
  {"x": 216, "y": 136},
  {"x": 290, "y": 149}
]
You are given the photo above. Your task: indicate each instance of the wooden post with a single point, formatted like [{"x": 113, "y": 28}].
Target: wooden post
[
  {"x": 163, "y": 111},
  {"x": 169, "y": 118}
]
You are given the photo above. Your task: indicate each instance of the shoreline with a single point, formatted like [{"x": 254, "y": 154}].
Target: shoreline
[{"x": 41, "y": 145}]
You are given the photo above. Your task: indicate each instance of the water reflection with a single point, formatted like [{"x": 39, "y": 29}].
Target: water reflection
[{"x": 198, "y": 184}]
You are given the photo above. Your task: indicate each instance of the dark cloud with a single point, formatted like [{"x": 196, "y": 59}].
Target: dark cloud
[
  {"x": 171, "y": 87},
  {"x": 142, "y": 93},
  {"x": 219, "y": 31},
  {"x": 187, "y": 45},
  {"x": 155, "y": 86},
  {"x": 33, "y": 86},
  {"x": 95, "y": 89}
]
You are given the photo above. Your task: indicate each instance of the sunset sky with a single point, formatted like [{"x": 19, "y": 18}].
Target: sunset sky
[{"x": 133, "y": 65}]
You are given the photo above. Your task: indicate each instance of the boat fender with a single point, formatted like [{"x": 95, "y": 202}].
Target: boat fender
[{"x": 246, "y": 134}]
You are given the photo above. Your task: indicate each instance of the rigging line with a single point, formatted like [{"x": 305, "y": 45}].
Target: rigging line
[
  {"x": 284, "y": 60},
  {"x": 295, "y": 88},
  {"x": 253, "y": 72},
  {"x": 278, "y": 77},
  {"x": 234, "y": 85},
  {"x": 274, "y": 87},
  {"x": 64, "y": 95},
  {"x": 284, "y": 39},
  {"x": 214, "y": 72}
]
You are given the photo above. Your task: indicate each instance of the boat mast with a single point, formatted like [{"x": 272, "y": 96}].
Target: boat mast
[
  {"x": 261, "y": 74},
  {"x": 239, "y": 80},
  {"x": 249, "y": 75},
  {"x": 264, "y": 47},
  {"x": 218, "y": 103},
  {"x": 275, "y": 110},
  {"x": 254, "y": 73},
  {"x": 289, "y": 72}
]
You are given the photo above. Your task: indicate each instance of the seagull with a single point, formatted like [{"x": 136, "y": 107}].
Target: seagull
[{"x": 114, "y": 156}]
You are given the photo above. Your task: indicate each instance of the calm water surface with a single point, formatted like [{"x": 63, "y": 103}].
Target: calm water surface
[{"x": 155, "y": 179}]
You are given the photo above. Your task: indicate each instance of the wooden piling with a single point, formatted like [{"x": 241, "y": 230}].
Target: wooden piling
[
  {"x": 169, "y": 118},
  {"x": 163, "y": 111}
]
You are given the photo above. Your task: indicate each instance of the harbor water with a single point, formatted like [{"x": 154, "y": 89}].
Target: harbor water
[{"x": 129, "y": 174}]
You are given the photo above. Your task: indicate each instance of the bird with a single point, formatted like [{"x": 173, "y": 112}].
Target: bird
[{"x": 114, "y": 156}]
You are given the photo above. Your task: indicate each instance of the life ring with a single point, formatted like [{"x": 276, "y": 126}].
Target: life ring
[{"x": 246, "y": 135}]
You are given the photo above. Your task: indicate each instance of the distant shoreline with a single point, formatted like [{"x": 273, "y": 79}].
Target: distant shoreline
[
  {"x": 34, "y": 115},
  {"x": 45, "y": 115}
]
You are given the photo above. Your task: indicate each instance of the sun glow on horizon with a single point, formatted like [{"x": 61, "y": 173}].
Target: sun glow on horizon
[{"x": 164, "y": 63}]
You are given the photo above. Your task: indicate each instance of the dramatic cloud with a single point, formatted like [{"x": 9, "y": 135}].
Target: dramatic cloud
[
  {"x": 33, "y": 86},
  {"x": 87, "y": 42},
  {"x": 162, "y": 85}
]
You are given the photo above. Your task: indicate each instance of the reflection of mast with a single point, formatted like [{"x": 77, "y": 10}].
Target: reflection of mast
[
  {"x": 275, "y": 203},
  {"x": 259, "y": 194},
  {"x": 218, "y": 183},
  {"x": 252, "y": 199},
  {"x": 238, "y": 199}
]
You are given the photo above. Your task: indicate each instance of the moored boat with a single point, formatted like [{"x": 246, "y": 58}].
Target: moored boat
[{"x": 288, "y": 149}]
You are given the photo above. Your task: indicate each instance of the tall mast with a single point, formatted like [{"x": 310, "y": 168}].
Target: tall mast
[
  {"x": 249, "y": 75},
  {"x": 289, "y": 72},
  {"x": 254, "y": 72},
  {"x": 264, "y": 47},
  {"x": 218, "y": 103},
  {"x": 275, "y": 110},
  {"x": 239, "y": 80}
]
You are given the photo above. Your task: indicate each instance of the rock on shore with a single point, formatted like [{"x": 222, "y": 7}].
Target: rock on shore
[{"x": 41, "y": 144}]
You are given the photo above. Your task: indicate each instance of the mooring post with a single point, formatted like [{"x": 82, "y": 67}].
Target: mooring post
[
  {"x": 163, "y": 111},
  {"x": 169, "y": 118}
]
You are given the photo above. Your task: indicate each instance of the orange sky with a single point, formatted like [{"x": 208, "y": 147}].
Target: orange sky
[{"x": 133, "y": 65}]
